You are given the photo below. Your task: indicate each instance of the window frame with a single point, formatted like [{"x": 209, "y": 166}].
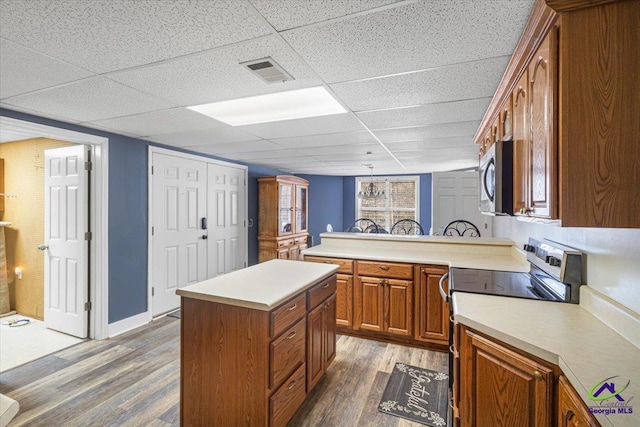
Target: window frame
[{"x": 387, "y": 189}]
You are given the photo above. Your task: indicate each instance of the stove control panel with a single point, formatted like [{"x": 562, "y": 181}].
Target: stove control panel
[{"x": 561, "y": 262}]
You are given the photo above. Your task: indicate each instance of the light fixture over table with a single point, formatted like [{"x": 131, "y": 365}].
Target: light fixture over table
[{"x": 371, "y": 190}]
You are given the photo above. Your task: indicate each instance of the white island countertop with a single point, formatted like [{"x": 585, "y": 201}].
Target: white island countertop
[
  {"x": 262, "y": 287},
  {"x": 566, "y": 335}
]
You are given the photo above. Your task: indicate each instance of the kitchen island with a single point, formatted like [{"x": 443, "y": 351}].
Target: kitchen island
[{"x": 254, "y": 342}]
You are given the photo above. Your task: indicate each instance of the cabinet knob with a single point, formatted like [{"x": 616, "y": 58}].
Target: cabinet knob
[{"x": 537, "y": 375}]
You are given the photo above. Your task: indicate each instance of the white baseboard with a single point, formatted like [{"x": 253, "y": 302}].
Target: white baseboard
[{"x": 125, "y": 325}]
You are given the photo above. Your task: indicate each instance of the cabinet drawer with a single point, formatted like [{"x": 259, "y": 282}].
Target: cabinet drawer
[
  {"x": 345, "y": 265},
  {"x": 288, "y": 398},
  {"x": 286, "y": 242},
  {"x": 385, "y": 269},
  {"x": 321, "y": 291},
  {"x": 302, "y": 239},
  {"x": 287, "y": 353},
  {"x": 285, "y": 315}
]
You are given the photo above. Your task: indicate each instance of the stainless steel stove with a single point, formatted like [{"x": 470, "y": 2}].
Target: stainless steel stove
[{"x": 555, "y": 274}]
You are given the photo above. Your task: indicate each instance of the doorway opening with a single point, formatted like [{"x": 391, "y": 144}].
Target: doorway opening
[{"x": 23, "y": 146}]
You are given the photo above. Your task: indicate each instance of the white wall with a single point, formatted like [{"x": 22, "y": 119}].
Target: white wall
[{"x": 612, "y": 254}]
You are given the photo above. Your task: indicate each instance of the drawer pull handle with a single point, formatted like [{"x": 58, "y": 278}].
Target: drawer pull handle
[
  {"x": 325, "y": 286},
  {"x": 292, "y": 385},
  {"x": 291, "y": 335},
  {"x": 451, "y": 349},
  {"x": 384, "y": 267},
  {"x": 292, "y": 307},
  {"x": 451, "y": 403},
  {"x": 537, "y": 375}
]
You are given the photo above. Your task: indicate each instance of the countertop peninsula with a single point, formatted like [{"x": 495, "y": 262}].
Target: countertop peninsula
[{"x": 261, "y": 286}]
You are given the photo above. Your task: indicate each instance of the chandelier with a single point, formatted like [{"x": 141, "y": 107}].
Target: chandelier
[{"x": 371, "y": 191}]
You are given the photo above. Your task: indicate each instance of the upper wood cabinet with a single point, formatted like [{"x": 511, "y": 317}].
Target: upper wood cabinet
[
  {"x": 282, "y": 217},
  {"x": 574, "y": 70}
]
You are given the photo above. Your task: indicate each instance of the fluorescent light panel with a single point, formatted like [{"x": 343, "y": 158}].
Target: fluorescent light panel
[{"x": 274, "y": 107}]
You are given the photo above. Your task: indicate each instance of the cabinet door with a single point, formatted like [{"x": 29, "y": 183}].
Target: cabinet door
[
  {"x": 572, "y": 412},
  {"x": 399, "y": 306},
  {"x": 330, "y": 331},
  {"x": 521, "y": 146},
  {"x": 369, "y": 303},
  {"x": 294, "y": 252},
  {"x": 500, "y": 387},
  {"x": 344, "y": 300},
  {"x": 432, "y": 312},
  {"x": 284, "y": 253},
  {"x": 301, "y": 201},
  {"x": 542, "y": 78},
  {"x": 285, "y": 209},
  {"x": 506, "y": 120},
  {"x": 315, "y": 345}
]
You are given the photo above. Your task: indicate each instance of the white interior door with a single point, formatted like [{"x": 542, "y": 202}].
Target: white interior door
[
  {"x": 179, "y": 255},
  {"x": 226, "y": 213},
  {"x": 455, "y": 196},
  {"x": 65, "y": 224}
]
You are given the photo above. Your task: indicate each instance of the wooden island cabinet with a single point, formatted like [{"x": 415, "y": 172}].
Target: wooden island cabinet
[
  {"x": 575, "y": 129},
  {"x": 245, "y": 364}
]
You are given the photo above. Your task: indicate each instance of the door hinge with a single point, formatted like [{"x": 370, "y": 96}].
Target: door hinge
[
  {"x": 88, "y": 166},
  {"x": 153, "y": 291},
  {"x": 88, "y": 235},
  {"x": 153, "y": 230},
  {"x": 151, "y": 170},
  {"x": 87, "y": 306},
  {"x": 245, "y": 263}
]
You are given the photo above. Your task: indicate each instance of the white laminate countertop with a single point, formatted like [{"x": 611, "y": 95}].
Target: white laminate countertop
[
  {"x": 482, "y": 253},
  {"x": 263, "y": 286},
  {"x": 567, "y": 335}
]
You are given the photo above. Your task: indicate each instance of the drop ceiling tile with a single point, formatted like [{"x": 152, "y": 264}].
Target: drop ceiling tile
[
  {"x": 433, "y": 154},
  {"x": 412, "y": 36},
  {"x": 424, "y": 144},
  {"x": 24, "y": 70},
  {"x": 362, "y": 150},
  {"x": 305, "y": 161},
  {"x": 217, "y": 75},
  {"x": 470, "y": 80},
  {"x": 37, "y": 113},
  {"x": 235, "y": 147},
  {"x": 89, "y": 100},
  {"x": 355, "y": 157},
  {"x": 445, "y": 112},
  {"x": 250, "y": 156},
  {"x": 325, "y": 139},
  {"x": 334, "y": 123},
  {"x": 104, "y": 36},
  {"x": 160, "y": 122},
  {"x": 442, "y": 130},
  {"x": 291, "y": 14},
  {"x": 210, "y": 136}
]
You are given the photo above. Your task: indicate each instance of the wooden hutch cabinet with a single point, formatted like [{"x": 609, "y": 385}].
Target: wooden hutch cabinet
[
  {"x": 282, "y": 217},
  {"x": 575, "y": 126}
]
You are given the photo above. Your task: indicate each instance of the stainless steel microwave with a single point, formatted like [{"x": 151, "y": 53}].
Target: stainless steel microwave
[{"x": 496, "y": 179}]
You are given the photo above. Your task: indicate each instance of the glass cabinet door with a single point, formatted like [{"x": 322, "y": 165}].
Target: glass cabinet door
[
  {"x": 285, "y": 206},
  {"x": 301, "y": 209}
]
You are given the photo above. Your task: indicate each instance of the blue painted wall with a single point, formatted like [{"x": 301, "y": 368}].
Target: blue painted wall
[{"x": 325, "y": 204}]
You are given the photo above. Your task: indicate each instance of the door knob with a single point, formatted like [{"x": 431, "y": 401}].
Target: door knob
[
  {"x": 205, "y": 237},
  {"x": 43, "y": 247}
]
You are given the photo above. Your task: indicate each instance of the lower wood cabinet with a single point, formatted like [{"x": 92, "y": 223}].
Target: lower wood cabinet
[
  {"x": 572, "y": 412},
  {"x": 344, "y": 288},
  {"x": 502, "y": 387},
  {"x": 384, "y": 305},
  {"x": 229, "y": 376},
  {"x": 431, "y": 310}
]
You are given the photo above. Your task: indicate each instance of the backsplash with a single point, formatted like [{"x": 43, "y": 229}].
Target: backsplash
[{"x": 612, "y": 264}]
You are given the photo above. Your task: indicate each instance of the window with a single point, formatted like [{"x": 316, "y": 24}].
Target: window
[{"x": 403, "y": 200}]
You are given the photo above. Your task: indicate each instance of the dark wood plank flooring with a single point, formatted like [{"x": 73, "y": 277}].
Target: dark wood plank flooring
[{"x": 134, "y": 380}]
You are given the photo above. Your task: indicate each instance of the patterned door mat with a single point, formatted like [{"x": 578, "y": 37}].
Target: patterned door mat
[{"x": 417, "y": 394}]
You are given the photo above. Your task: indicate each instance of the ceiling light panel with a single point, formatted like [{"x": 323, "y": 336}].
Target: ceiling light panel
[{"x": 275, "y": 107}]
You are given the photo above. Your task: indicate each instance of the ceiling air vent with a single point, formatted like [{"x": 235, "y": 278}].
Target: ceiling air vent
[{"x": 268, "y": 70}]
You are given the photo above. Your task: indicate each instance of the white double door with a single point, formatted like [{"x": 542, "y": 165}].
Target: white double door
[{"x": 197, "y": 217}]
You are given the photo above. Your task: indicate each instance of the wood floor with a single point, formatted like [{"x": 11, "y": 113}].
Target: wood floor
[{"x": 133, "y": 380}]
